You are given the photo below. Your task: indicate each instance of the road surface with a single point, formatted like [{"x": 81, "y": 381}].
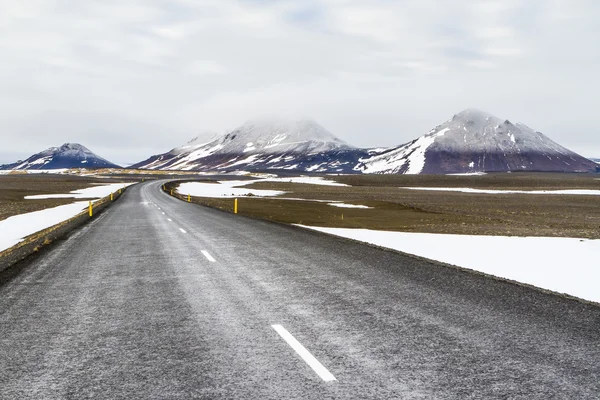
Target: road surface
[{"x": 161, "y": 299}]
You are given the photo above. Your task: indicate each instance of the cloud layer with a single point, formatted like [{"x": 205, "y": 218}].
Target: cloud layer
[{"x": 131, "y": 78}]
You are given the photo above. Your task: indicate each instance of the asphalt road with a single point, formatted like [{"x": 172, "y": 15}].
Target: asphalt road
[{"x": 158, "y": 298}]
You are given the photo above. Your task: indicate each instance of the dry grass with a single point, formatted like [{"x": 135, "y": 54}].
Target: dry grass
[
  {"x": 14, "y": 187},
  {"x": 435, "y": 212}
]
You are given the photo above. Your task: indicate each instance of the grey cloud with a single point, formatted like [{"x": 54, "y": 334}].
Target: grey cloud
[{"x": 131, "y": 78}]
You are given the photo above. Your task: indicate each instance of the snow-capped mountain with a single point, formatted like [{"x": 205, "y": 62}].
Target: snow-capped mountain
[
  {"x": 69, "y": 155},
  {"x": 300, "y": 145},
  {"x": 475, "y": 141},
  {"x": 472, "y": 141}
]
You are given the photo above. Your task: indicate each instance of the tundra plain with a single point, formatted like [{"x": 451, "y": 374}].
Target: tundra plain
[{"x": 393, "y": 207}]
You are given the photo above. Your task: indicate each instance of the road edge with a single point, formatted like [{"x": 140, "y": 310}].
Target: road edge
[
  {"x": 45, "y": 238},
  {"x": 565, "y": 296}
]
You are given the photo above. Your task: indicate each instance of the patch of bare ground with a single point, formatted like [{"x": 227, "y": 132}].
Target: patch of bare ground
[
  {"x": 14, "y": 188},
  {"x": 394, "y": 208}
]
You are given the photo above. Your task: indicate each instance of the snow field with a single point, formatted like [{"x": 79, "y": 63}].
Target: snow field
[
  {"x": 344, "y": 205},
  {"x": 230, "y": 189},
  {"x": 14, "y": 229},
  {"x": 224, "y": 189},
  {"x": 96, "y": 192},
  {"x": 562, "y": 265}
]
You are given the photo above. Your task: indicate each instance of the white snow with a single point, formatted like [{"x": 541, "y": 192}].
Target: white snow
[
  {"x": 343, "y": 205},
  {"x": 579, "y": 192},
  {"x": 310, "y": 180},
  {"x": 413, "y": 154},
  {"x": 96, "y": 192},
  {"x": 14, "y": 229},
  {"x": 314, "y": 167},
  {"x": 563, "y": 265},
  {"x": 224, "y": 189},
  {"x": 417, "y": 158},
  {"x": 247, "y": 160},
  {"x": 59, "y": 171},
  {"x": 229, "y": 189}
]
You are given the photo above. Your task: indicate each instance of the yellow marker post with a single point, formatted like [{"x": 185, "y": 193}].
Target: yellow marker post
[
  {"x": 235, "y": 206},
  {"x": 164, "y": 187},
  {"x": 90, "y": 210},
  {"x": 342, "y": 217},
  {"x": 171, "y": 192},
  {"x": 111, "y": 197},
  {"x": 189, "y": 198}
]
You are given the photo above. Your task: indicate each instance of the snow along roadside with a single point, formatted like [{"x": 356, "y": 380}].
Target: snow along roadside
[
  {"x": 230, "y": 189},
  {"x": 95, "y": 192},
  {"x": 15, "y": 229},
  {"x": 562, "y": 265}
]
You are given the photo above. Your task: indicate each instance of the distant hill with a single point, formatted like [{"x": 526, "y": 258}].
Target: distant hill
[
  {"x": 475, "y": 141},
  {"x": 301, "y": 145},
  {"x": 69, "y": 155}
]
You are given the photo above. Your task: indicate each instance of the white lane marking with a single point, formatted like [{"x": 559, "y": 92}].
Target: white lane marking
[
  {"x": 169, "y": 219},
  {"x": 208, "y": 256},
  {"x": 182, "y": 230},
  {"x": 164, "y": 214},
  {"x": 305, "y": 354}
]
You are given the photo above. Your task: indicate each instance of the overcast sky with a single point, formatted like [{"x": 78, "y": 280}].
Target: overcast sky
[{"x": 132, "y": 78}]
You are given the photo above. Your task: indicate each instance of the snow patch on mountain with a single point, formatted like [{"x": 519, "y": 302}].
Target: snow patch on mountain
[
  {"x": 471, "y": 142},
  {"x": 408, "y": 159},
  {"x": 300, "y": 145},
  {"x": 475, "y": 141}
]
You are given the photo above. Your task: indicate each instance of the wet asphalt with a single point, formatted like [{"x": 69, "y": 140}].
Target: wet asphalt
[{"x": 131, "y": 307}]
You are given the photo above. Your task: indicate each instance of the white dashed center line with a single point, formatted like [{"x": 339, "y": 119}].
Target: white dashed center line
[
  {"x": 305, "y": 354},
  {"x": 164, "y": 214},
  {"x": 208, "y": 256},
  {"x": 169, "y": 219},
  {"x": 182, "y": 230}
]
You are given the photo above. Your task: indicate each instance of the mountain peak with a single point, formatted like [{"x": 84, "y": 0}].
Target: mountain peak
[
  {"x": 279, "y": 136},
  {"x": 73, "y": 146},
  {"x": 477, "y": 141},
  {"x": 68, "y": 155},
  {"x": 475, "y": 115},
  {"x": 269, "y": 142}
]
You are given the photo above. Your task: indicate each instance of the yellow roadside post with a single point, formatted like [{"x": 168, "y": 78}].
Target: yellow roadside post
[
  {"x": 171, "y": 192},
  {"x": 235, "y": 206},
  {"x": 111, "y": 197},
  {"x": 342, "y": 217},
  {"x": 90, "y": 210},
  {"x": 189, "y": 198}
]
